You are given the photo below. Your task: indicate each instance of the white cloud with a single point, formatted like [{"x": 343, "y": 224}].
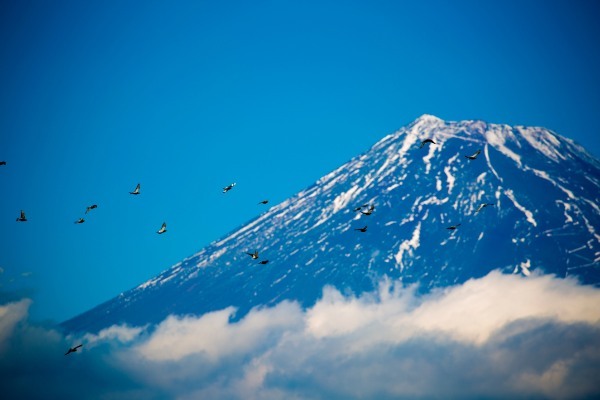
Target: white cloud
[
  {"x": 118, "y": 333},
  {"x": 10, "y": 315},
  {"x": 500, "y": 336},
  {"x": 214, "y": 336}
]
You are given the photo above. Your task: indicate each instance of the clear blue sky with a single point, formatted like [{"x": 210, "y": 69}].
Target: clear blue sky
[{"x": 187, "y": 97}]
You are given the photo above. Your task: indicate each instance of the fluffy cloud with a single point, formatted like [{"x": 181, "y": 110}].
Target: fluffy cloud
[{"x": 495, "y": 337}]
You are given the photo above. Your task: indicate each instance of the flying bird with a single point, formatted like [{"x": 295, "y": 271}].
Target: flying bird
[
  {"x": 22, "y": 218},
  {"x": 162, "y": 229},
  {"x": 264, "y": 202},
  {"x": 369, "y": 210},
  {"x": 73, "y": 350},
  {"x": 453, "y": 227},
  {"x": 136, "y": 190},
  {"x": 364, "y": 229},
  {"x": 361, "y": 207},
  {"x": 474, "y": 156},
  {"x": 88, "y": 209},
  {"x": 263, "y": 262},
  {"x": 228, "y": 188},
  {"x": 2, "y": 162},
  {"x": 424, "y": 142},
  {"x": 482, "y": 206},
  {"x": 80, "y": 221},
  {"x": 254, "y": 255}
]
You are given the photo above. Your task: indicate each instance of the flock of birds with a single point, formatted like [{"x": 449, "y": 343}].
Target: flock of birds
[
  {"x": 137, "y": 191},
  {"x": 365, "y": 209}
]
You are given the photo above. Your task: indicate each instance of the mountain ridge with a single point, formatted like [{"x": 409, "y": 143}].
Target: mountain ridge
[{"x": 311, "y": 242}]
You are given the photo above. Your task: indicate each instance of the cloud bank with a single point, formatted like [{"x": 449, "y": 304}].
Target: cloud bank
[{"x": 501, "y": 336}]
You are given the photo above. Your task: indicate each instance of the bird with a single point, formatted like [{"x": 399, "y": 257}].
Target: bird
[
  {"x": 228, "y": 188},
  {"x": 136, "y": 190},
  {"x": 263, "y": 262},
  {"x": 424, "y": 142},
  {"x": 22, "y": 218},
  {"x": 162, "y": 229},
  {"x": 482, "y": 206},
  {"x": 364, "y": 229},
  {"x": 80, "y": 221},
  {"x": 453, "y": 227},
  {"x": 474, "y": 156},
  {"x": 254, "y": 255},
  {"x": 88, "y": 209},
  {"x": 73, "y": 349},
  {"x": 263, "y": 202},
  {"x": 2, "y": 162},
  {"x": 360, "y": 207},
  {"x": 369, "y": 210}
]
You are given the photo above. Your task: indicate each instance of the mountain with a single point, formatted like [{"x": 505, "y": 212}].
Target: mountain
[{"x": 544, "y": 189}]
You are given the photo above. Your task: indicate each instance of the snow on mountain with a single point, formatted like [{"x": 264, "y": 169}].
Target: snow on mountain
[{"x": 544, "y": 189}]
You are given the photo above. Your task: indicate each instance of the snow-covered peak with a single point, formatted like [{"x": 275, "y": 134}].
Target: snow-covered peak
[
  {"x": 428, "y": 118},
  {"x": 544, "y": 192}
]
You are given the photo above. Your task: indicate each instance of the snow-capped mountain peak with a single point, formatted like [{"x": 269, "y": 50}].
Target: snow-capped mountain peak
[{"x": 540, "y": 190}]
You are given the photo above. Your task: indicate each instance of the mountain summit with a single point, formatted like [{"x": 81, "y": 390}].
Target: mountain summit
[{"x": 541, "y": 192}]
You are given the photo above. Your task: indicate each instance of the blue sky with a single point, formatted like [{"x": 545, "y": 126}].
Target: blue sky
[{"x": 186, "y": 98}]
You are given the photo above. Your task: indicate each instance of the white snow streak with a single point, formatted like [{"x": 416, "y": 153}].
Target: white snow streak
[
  {"x": 408, "y": 246},
  {"x": 428, "y": 157},
  {"x": 544, "y": 175},
  {"x": 481, "y": 178},
  {"x": 489, "y": 163},
  {"x": 496, "y": 136},
  {"x": 449, "y": 178},
  {"x": 509, "y": 193},
  {"x": 568, "y": 218},
  {"x": 343, "y": 199},
  {"x": 543, "y": 141}
]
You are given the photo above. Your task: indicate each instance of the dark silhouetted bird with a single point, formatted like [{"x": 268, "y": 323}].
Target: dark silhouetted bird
[
  {"x": 88, "y": 209},
  {"x": 263, "y": 262},
  {"x": 424, "y": 142},
  {"x": 453, "y": 227},
  {"x": 73, "y": 350},
  {"x": 2, "y": 162},
  {"x": 482, "y": 206},
  {"x": 162, "y": 229},
  {"x": 364, "y": 229},
  {"x": 474, "y": 156},
  {"x": 369, "y": 210},
  {"x": 136, "y": 190},
  {"x": 254, "y": 255},
  {"x": 264, "y": 202},
  {"x": 80, "y": 221},
  {"x": 22, "y": 218},
  {"x": 228, "y": 188},
  {"x": 361, "y": 207}
]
